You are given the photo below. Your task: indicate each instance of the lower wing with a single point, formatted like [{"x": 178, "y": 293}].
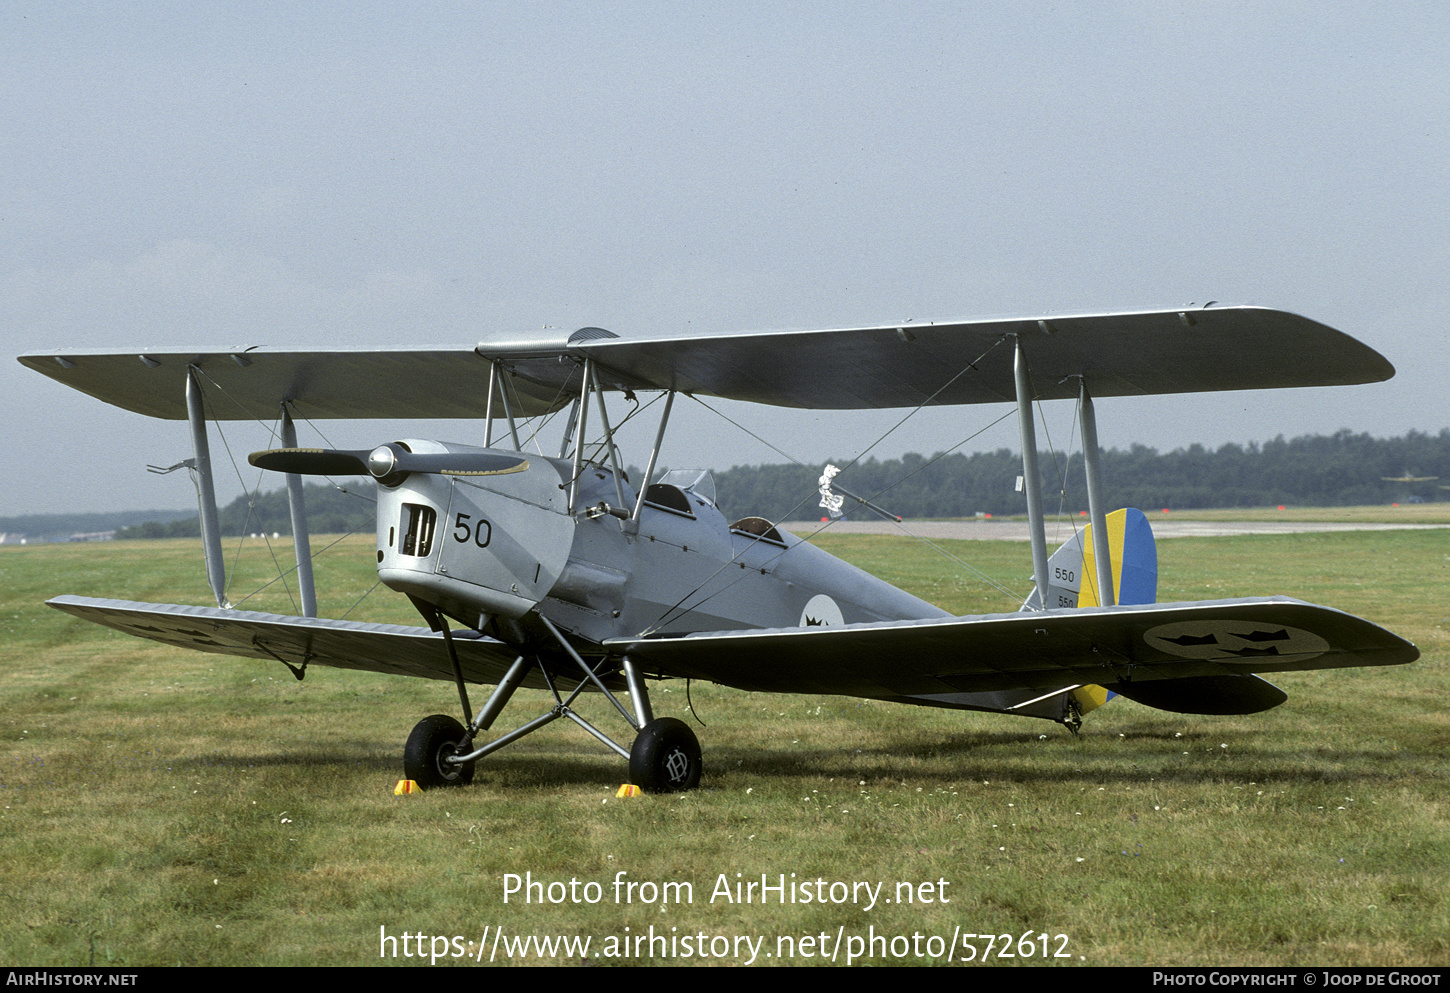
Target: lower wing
[
  {"x": 301, "y": 641},
  {"x": 1136, "y": 650},
  {"x": 1116, "y": 646}
]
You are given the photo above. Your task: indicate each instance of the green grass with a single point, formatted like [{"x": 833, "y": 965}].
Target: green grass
[{"x": 169, "y": 807}]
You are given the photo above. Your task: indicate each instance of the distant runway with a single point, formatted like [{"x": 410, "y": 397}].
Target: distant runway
[{"x": 1164, "y": 527}]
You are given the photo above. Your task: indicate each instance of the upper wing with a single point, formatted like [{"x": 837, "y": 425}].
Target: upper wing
[
  {"x": 390, "y": 648},
  {"x": 1227, "y": 348},
  {"x": 1049, "y": 649},
  {"x": 1223, "y": 348}
]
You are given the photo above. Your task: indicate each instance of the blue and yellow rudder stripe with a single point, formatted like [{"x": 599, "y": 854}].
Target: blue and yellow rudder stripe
[{"x": 1134, "y": 560}]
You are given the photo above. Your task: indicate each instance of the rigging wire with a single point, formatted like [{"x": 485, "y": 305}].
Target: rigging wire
[
  {"x": 1058, "y": 467},
  {"x": 939, "y": 456},
  {"x": 970, "y": 366},
  {"x": 742, "y": 427},
  {"x": 607, "y": 440},
  {"x": 594, "y": 460},
  {"x": 545, "y": 420},
  {"x": 338, "y": 540}
]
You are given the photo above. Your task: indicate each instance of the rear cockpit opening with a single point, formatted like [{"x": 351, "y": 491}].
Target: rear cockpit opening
[{"x": 758, "y": 527}]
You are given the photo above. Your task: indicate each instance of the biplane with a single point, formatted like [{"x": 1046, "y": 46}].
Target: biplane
[{"x": 557, "y": 571}]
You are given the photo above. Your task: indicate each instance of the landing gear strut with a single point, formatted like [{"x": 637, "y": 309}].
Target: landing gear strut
[{"x": 664, "y": 757}]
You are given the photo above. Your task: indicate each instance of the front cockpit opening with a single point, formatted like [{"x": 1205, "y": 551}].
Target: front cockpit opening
[
  {"x": 663, "y": 496},
  {"x": 678, "y": 487},
  {"x": 696, "y": 481}
]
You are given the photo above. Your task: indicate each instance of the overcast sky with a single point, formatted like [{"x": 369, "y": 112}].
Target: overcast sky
[{"x": 376, "y": 174}]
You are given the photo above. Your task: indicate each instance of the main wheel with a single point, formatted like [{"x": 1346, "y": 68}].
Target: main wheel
[
  {"x": 433, "y": 739},
  {"x": 665, "y": 757}
]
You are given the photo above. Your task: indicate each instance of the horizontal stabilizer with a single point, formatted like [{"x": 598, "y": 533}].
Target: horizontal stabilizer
[
  {"x": 1052, "y": 705},
  {"x": 1215, "y": 695}
]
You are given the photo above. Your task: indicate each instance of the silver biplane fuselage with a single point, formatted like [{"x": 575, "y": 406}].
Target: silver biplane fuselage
[{"x": 491, "y": 550}]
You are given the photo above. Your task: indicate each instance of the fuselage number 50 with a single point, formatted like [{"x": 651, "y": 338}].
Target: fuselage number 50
[{"x": 464, "y": 531}]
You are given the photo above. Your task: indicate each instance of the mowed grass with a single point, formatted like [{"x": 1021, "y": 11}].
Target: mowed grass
[{"x": 164, "y": 807}]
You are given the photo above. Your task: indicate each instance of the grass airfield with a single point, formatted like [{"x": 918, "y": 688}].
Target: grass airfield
[{"x": 165, "y": 807}]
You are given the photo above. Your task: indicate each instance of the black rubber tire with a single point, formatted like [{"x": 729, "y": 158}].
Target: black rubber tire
[
  {"x": 433, "y": 738},
  {"x": 665, "y": 757}
]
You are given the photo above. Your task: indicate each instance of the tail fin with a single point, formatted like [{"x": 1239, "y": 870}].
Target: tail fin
[{"x": 1072, "y": 573}]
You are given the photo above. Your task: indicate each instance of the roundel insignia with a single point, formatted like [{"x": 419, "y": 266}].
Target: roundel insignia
[
  {"x": 821, "y": 611},
  {"x": 1230, "y": 640}
]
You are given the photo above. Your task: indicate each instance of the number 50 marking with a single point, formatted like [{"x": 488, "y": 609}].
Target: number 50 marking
[{"x": 480, "y": 534}]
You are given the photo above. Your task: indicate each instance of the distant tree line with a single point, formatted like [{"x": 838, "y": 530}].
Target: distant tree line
[
  {"x": 329, "y": 511},
  {"x": 1314, "y": 470},
  {"x": 57, "y": 527}
]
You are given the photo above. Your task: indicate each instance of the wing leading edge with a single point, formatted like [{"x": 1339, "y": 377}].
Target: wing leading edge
[{"x": 1046, "y": 650}]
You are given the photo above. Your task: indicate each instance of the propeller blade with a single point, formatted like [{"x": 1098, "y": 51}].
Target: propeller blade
[
  {"x": 462, "y": 464},
  {"x": 385, "y": 460},
  {"x": 312, "y": 461}
]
